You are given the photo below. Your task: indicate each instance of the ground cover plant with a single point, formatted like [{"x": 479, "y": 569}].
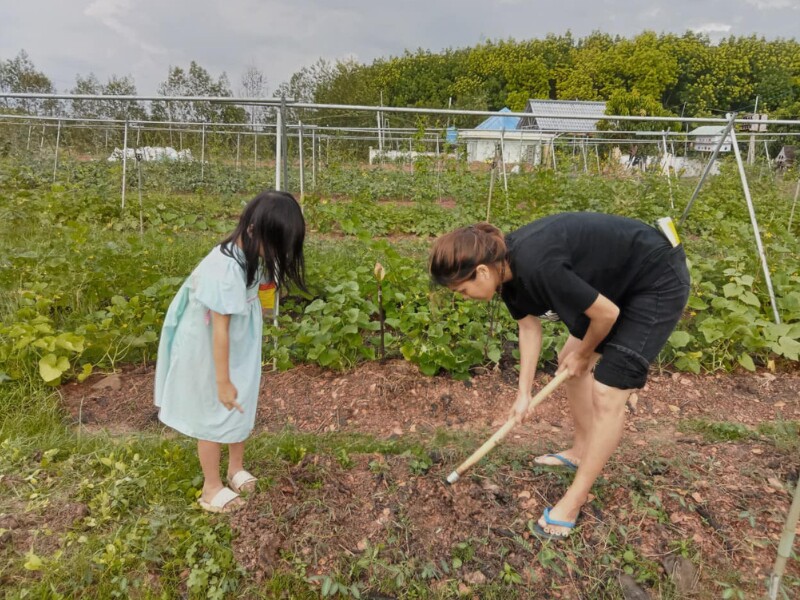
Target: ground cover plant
[{"x": 356, "y": 436}]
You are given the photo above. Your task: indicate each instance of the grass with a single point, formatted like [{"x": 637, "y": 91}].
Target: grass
[{"x": 113, "y": 516}]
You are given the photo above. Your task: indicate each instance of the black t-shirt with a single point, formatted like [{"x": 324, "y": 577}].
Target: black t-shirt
[{"x": 561, "y": 262}]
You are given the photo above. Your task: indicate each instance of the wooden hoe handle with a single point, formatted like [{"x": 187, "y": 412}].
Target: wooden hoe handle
[{"x": 508, "y": 426}]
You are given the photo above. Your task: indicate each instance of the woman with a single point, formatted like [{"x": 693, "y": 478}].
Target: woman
[{"x": 620, "y": 288}]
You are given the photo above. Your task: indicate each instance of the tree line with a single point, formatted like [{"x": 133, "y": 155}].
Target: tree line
[{"x": 648, "y": 74}]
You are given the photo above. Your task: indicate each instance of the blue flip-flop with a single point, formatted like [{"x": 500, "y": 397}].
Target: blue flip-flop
[
  {"x": 564, "y": 460},
  {"x": 539, "y": 530}
]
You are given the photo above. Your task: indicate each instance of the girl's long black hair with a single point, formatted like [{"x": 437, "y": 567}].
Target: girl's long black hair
[{"x": 271, "y": 223}]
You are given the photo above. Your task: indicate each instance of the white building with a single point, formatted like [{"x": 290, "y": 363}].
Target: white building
[
  {"x": 706, "y": 138},
  {"x": 500, "y": 136}
]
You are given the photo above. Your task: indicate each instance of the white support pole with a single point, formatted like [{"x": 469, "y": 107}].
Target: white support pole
[
  {"x": 124, "y": 161},
  {"x": 30, "y": 129},
  {"x": 785, "y": 545},
  {"x": 203, "y": 152},
  {"x": 275, "y": 313},
  {"x": 238, "y": 148},
  {"x": 55, "y": 159},
  {"x": 141, "y": 203},
  {"x": 583, "y": 153},
  {"x": 380, "y": 137},
  {"x": 278, "y": 149},
  {"x": 284, "y": 145},
  {"x": 794, "y": 204},
  {"x": 722, "y": 137},
  {"x": 314, "y": 159},
  {"x": 302, "y": 165},
  {"x": 666, "y": 170},
  {"x": 754, "y": 222},
  {"x": 503, "y": 162}
]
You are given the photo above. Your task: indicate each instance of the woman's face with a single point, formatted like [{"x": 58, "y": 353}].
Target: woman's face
[{"x": 481, "y": 287}]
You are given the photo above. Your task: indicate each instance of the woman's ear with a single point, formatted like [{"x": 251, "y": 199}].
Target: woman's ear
[
  {"x": 482, "y": 271},
  {"x": 250, "y": 230}
]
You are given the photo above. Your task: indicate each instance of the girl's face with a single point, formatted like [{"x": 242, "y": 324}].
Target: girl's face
[{"x": 481, "y": 287}]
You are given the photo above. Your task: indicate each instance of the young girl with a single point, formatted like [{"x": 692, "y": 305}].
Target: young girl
[
  {"x": 209, "y": 356},
  {"x": 620, "y": 288}
]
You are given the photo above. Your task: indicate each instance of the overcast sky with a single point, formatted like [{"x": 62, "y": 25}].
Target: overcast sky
[{"x": 143, "y": 38}]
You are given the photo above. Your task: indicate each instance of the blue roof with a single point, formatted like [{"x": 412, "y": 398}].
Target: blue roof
[{"x": 497, "y": 123}]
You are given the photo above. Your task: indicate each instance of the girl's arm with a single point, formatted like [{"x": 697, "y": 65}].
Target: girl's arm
[
  {"x": 226, "y": 391},
  {"x": 530, "y": 345}
]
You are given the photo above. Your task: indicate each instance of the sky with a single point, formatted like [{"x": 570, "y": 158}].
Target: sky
[{"x": 143, "y": 38}]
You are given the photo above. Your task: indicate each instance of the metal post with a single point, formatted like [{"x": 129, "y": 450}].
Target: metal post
[
  {"x": 785, "y": 546},
  {"x": 380, "y": 138},
  {"x": 302, "y": 166},
  {"x": 597, "y": 154},
  {"x": 314, "y": 159},
  {"x": 41, "y": 142},
  {"x": 203, "y": 152},
  {"x": 28, "y": 145},
  {"x": 503, "y": 163},
  {"x": 55, "y": 160},
  {"x": 583, "y": 153},
  {"x": 141, "y": 204},
  {"x": 794, "y": 204},
  {"x": 666, "y": 168},
  {"x": 124, "y": 161},
  {"x": 238, "y": 148},
  {"x": 275, "y": 324},
  {"x": 438, "y": 170},
  {"x": 491, "y": 189},
  {"x": 278, "y": 149},
  {"x": 255, "y": 148},
  {"x": 284, "y": 145},
  {"x": 751, "y": 150},
  {"x": 754, "y": 222},
  {"x": 728, "y": 128}
]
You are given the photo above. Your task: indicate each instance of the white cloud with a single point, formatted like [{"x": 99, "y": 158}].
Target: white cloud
[
  {"x": 112, "y": 14},
  {"x": 650, "y": 13},
  {"x": 712, "y": 28},
  {"x": 777, "y": 4}
]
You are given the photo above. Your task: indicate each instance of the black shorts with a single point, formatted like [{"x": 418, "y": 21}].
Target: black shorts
[{"x": 647, "y": 318}]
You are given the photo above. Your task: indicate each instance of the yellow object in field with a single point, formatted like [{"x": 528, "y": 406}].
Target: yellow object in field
[
  {"x": 667, "y": 227},
  {"x": 266, "y": 294}
]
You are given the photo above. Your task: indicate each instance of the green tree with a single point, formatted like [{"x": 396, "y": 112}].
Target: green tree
[
  {"x": 195, "y": 82},
  {"x": 19, "y": 74}
]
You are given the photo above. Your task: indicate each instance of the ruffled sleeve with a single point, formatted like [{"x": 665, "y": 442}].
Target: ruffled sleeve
[{"x": 219, "y": 284}]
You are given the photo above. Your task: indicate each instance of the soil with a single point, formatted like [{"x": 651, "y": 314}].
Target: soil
[{"x": 666, "y": 487}]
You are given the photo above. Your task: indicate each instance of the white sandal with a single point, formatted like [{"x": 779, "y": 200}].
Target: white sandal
[
  {"x": 241, "y": 479},
  {"x": 221, "y": 502}
]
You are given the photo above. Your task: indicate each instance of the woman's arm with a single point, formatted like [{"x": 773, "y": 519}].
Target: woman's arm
[
  {"x": 530, "y": 345},
  {"x": 226, "y": 391},
  {"x": 603, "y": 313}
]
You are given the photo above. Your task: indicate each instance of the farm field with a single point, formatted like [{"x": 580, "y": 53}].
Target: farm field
[{"x": 353, "y": 442}]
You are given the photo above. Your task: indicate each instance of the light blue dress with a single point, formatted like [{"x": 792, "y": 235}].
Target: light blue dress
[{"x": 185, "y": 387}]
